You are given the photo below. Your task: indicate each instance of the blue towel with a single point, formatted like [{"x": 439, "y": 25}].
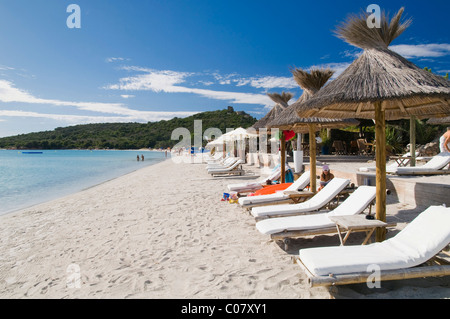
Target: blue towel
[{"x": 289, "y": 176}]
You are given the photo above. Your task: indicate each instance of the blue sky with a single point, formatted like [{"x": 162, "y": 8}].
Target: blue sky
[{"x": 147, "y": 60}]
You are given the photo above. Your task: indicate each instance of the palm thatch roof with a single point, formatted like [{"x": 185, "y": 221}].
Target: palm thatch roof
[
  {"x": 379, "y": 75},
  {"x": 439, "y": 121},
  {"x": 311, "y": 83},
  {"x": 281, "y": 101}
]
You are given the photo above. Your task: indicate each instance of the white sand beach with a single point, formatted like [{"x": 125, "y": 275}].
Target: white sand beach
[{"x": 163, "y": 232}]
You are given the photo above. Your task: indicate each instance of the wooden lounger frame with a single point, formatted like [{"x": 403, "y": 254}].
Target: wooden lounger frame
[
  {"x": 334, "y": 202},
  {"x": 236, "y": 171},
  {"x": 286, "y": 235},
  {"x": 288, "y": 200},
  {"x": 435, "y": 267},
  {"x": 443, "y": 171},
  {"x": 438, "y": 172}
]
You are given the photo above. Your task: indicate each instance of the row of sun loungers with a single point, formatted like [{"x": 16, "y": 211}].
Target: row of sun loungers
[
  {"x": 412, "y": 253},
  {"x": 229, "y": 166},
  {"x": 315, "y": 203},
  {"x": 278, "y": 197},
  {"x": 249, "y": 187},
  {"x": 400, "y": 257},
  {"x": 435, "y": 166}
]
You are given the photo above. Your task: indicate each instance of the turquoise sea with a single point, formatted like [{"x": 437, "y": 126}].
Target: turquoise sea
[{"x": 32, "y": 177}]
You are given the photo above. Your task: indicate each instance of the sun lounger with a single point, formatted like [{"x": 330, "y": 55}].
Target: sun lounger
[
  {"x": 235, "y": 168},
  {"x": 318, "y": 201},
  {"x": 400, "y": 257},
  {"x": 225, "y": 163},
  {"x": 316, "y": 224},
  {"x": 394, "y": 165},
  {"x": 278, "y": 197},
  {"x": 256, "y": 185},
  {"x": 214, "y": 159},
  {"x": 433, "y": 167}
]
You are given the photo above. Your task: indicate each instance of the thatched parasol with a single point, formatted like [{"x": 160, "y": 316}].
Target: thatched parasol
[
  {"x": 311, "y": 83},
  {"x": 281, "y": 101},
  {"x": 380, "y": 85},
  {"x": 439, "y": 121}
]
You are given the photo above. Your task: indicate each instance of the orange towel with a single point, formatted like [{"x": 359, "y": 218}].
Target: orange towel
[{"x": 272, "y": 189}]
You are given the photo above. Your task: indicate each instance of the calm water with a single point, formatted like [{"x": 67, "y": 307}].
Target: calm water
[{"x": 28, "y": 179}]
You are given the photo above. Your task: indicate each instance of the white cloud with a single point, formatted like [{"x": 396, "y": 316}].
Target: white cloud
[
  {"x": 84, "y": 119},
  {"x": 59, "y": 117},
  {"x": 151, "y": 80},
  {"x": 9, "y": 94},
  {"x": 2, "y": 67},
  {"x": 407, "y": 50},
  {"x": 127, "y": 96},
  {"x": 259, "y": 82},
  {"x": 354, "y": 53},
  {"x": 225, "y": 79},
  {"x": 432, "y": 50},
  {"x": 338, "y": 68},
  {"x": 268, "y": 82},
  {"x": 206, "y": 83},
  {"x": 169, "y": 82},
  {"x": 112, "y": 59}
]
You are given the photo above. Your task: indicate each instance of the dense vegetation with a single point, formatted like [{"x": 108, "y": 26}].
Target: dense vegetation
[{"x": 126, "y": 135}]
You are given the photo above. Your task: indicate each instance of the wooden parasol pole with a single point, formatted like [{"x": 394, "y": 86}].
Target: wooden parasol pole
[
  {"x": 283, "y": 158},
  {"x": 380, "y": 157},
  {"x": 312, "y": 157},
  {"x": 412, "y": 139}
]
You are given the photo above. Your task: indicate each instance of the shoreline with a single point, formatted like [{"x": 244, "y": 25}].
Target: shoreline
[
  {"x": 75, "y": 189},
  {"x": 161, "y": 232},
  {"x": 30, "y": 206}
]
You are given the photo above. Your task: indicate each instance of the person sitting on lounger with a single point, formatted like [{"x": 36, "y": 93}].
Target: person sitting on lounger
[
  {"x": 444, "y": 141},
  {"x": 325, "y": 177}
]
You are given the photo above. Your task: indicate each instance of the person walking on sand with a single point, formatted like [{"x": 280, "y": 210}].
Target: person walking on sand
[{"x": 444, "y": 141}]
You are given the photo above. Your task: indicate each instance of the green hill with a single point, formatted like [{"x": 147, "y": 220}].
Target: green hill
[{"x": 126, "y": 135}]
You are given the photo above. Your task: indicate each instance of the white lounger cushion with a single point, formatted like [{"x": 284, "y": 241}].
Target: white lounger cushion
[
  {"x": 225, "y": 169},
  {"x": 419, "y": 241},
  {"x": 393, "y": 166},
  {"x": 389, "y": 168},
  {"x": 300, "y": 183},
  {"x": 241, "y": 187},
  {"x": 229, "y": 161},
  {"x": 334, "y": 187},
  {"x": 353, "y": 205},
  {"x": 302, "y": 222},
  {"x": 436, "y": 163}
]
